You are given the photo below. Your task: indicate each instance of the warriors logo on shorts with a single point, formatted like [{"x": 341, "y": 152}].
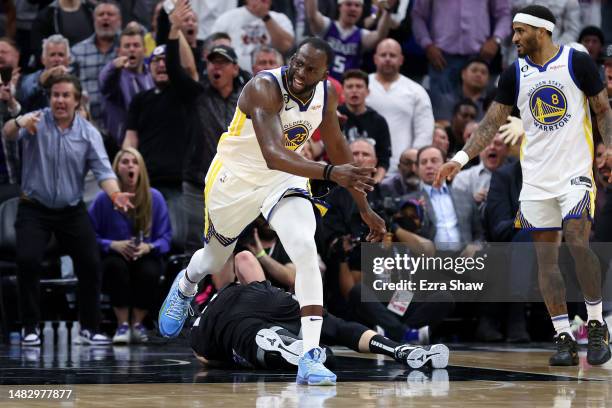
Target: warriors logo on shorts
[
  {"x": 548, "y": 105},
  {"x": 295, "y": 136}
]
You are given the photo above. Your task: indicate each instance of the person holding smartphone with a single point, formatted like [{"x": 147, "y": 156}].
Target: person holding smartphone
[{"x": 132, "y": 245}]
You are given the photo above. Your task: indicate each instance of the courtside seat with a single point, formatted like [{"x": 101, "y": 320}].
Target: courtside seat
[{"x": 50, "y": 276}]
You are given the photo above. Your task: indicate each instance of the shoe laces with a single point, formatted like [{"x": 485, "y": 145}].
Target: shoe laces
[
  {"x": 179, "y": 307},
  {"x": 401, "y": 352},
  {"x": 563, "y": 342},
  {"x": 315, "y": 356},
  {"x": 597, "y": 334}
]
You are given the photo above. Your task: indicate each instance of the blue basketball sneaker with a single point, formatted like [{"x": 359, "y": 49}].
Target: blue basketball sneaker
[
  {"x": 175, "y": 309},
  {"x": 311, "y": 370}
]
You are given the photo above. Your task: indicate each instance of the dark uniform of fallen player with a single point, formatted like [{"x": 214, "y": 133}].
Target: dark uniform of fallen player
[{"x": 255, "y": 324}]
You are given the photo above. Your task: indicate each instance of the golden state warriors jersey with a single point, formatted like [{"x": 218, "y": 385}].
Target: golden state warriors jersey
[
  {"x": 557, "y": 151},
  {"x": 238, "y": 148}
]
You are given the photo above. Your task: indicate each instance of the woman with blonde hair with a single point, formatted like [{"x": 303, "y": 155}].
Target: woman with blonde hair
[{"x": 132, "y": 245}]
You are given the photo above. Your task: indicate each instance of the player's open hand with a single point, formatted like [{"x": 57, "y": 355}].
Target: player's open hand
[
  {"x": 447, "y": 172},
  {"x": 352, "y": 177},
  {"x": 376, "y": 224}
]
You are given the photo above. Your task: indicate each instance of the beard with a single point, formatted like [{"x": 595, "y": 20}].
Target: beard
[
  {"x": 308, "y": 88},
  {"x": 529, "y": 47}
]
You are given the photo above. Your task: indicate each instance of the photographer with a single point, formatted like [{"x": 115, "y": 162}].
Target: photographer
[
  {"x": 342, "y": 233},
  {"x": 261, "y": 240}
]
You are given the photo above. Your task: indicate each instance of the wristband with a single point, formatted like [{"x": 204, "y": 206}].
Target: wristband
[
  {"x": 17, "y": 122},
  {"x": 461, "y": 157},
  {"x": 260, "y": 254},
  {"x": 266, "y": 18},
  {"x": 327, "y": 170}
]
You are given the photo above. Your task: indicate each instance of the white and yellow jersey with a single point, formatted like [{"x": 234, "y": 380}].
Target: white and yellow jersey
[
  {"x": 238, "y": 148},
  {"x": 557, "y": 151}
]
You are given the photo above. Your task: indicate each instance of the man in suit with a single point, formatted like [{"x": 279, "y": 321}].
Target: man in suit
[
  {"x": 454, "y": 223},
  {"x": 499, "y": 216}
]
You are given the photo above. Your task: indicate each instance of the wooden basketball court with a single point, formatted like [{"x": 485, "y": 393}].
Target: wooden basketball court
[{"x": 169, "y": 376}]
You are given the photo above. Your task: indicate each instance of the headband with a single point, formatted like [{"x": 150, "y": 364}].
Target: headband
[{"x": 534, "y": 21}]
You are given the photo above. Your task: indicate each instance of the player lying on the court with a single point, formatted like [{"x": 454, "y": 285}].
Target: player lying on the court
[{"x": 255, "y": 324}]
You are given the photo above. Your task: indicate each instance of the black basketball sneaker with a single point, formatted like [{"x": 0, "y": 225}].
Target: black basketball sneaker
[
  {"x": 417, "y": 356},
  {"x": 567, "y": 351},
  {"x": 598, "y": 349}
]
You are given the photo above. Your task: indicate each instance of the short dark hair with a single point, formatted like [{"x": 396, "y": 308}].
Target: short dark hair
[
  {"x": 540, "y": 12},
  {"x": 131, "y": 30},
  {"x": 320, "y": 45},
  {"x": 357, "y": 74},
  {"x": 464, "y": 102},
  {"x": 108, "y": 2},
  {"x": 592, "y": 31},
  {"x": 476, "y": 60},
  {"x": 422, "y": 149},
  {"x": 67, "y": 78}
]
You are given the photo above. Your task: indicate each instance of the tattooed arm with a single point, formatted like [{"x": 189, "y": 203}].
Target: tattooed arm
[
  {"x": 487, "y": 129},
  {"x": 603, "y": 115},
  {"x": 495, "y": 117}
]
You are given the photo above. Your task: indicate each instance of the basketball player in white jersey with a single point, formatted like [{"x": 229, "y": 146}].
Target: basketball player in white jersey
[
  {"x": 553, "y": 87},
  {"x": 258, "y": 169}
]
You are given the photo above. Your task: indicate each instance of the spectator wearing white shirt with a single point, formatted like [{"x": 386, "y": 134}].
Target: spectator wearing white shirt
[
  {"x": 253, "y": 25},
  {"x": 402, "y": 102},
  {"x": 208, "y": 11}
]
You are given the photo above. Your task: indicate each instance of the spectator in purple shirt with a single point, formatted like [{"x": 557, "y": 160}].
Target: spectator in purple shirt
[
  {"x": 122, "y": 78},
  {"x": 451, "y": 32},
  {"x": 132, "y": 245}
]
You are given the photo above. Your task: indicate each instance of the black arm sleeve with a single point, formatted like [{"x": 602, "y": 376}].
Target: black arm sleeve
[
  {"x": 163, "y": 27},
  {"x": 585, "y": 73},
  {"x": 186, "y": 86},
  {"x": 383, "y": 144},
  {"x": 133, "y": 112},
  {"x": 506, "y": 88}
]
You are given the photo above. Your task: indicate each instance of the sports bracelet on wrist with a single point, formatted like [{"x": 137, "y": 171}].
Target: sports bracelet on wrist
[
  {"x": 17, "y": 122},
  {"x": 461, "y": 157},
  {"x": 260, "y": 254},
  {"x": 327, "y": 170}
]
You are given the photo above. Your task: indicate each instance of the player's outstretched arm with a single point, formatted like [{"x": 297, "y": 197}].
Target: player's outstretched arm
[
  {"x": 495, "y": 117},
  {"x": 339, "y": 153},
  {"x": 261, "y": 99}
]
